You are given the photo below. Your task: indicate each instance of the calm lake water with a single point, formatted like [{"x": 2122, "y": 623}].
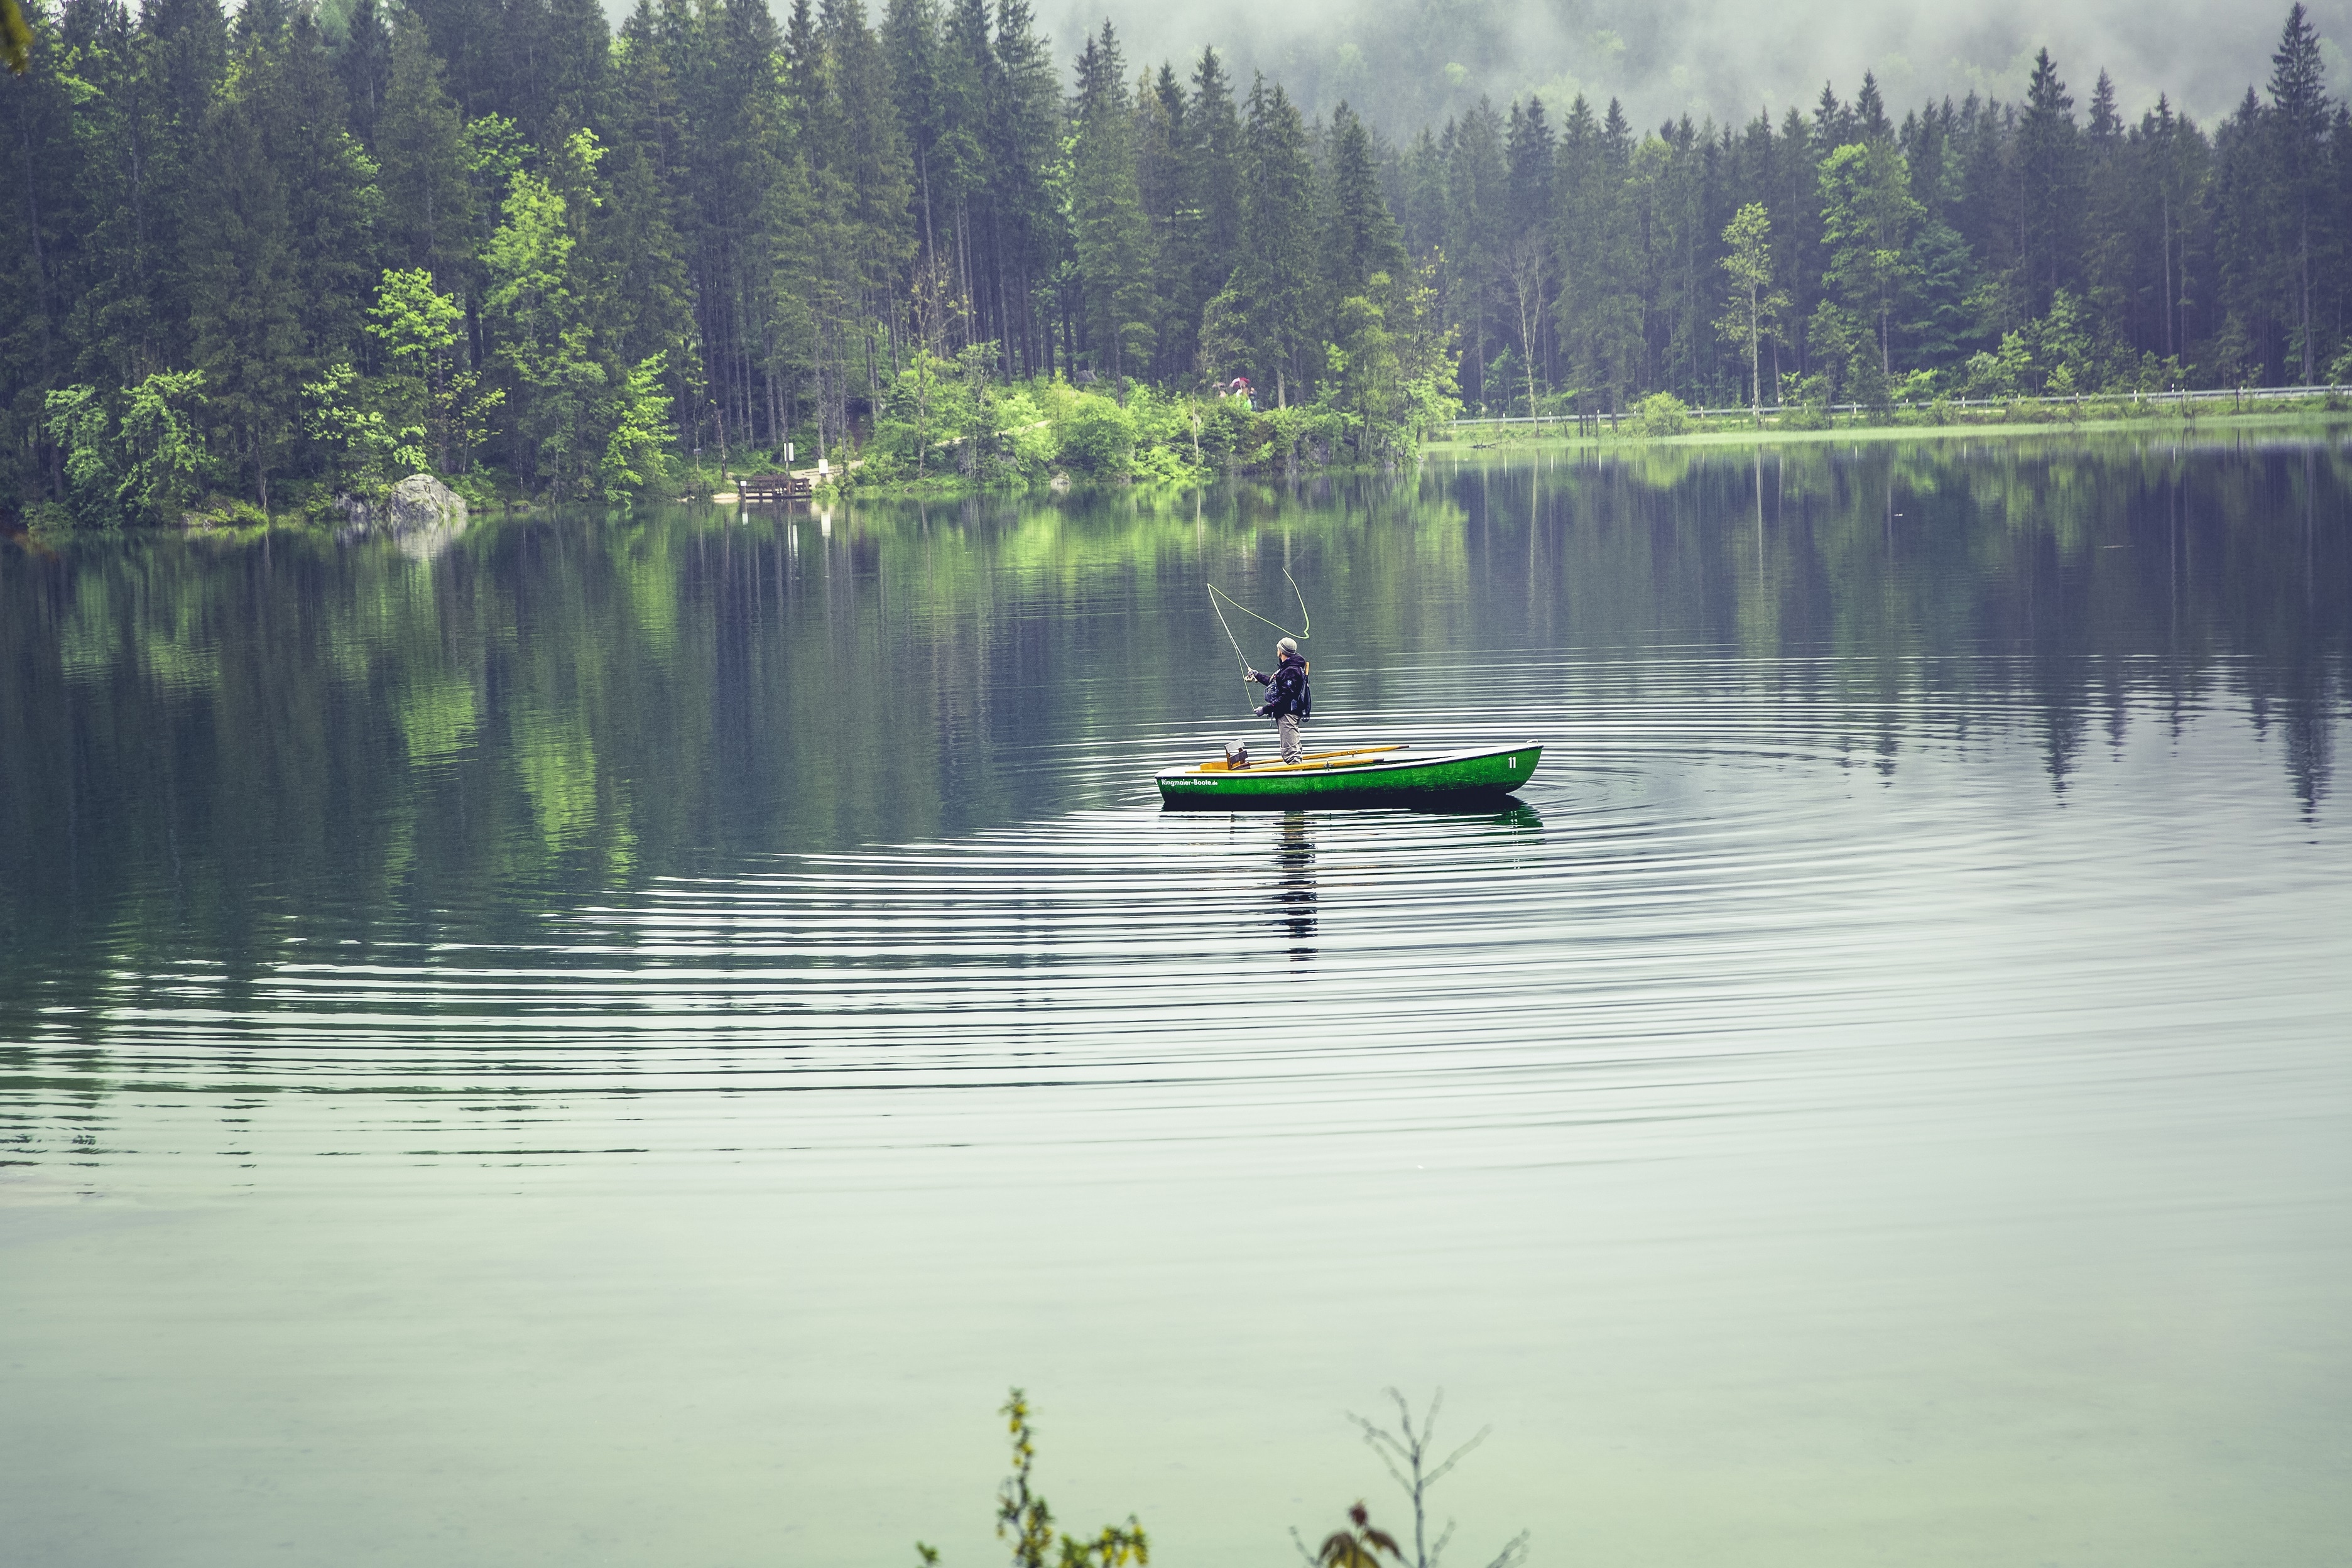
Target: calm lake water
[{"x": 616, "y": 1041}]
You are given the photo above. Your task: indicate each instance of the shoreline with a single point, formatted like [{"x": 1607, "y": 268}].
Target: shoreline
[
  {"x": 1773, "y": 435},
  {"x": 1503, "y": 444},
  {"x": 1626, "y": 441}
]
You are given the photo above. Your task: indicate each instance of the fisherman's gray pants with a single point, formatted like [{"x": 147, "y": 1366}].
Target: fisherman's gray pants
[{"x": 1287, "y": 726}]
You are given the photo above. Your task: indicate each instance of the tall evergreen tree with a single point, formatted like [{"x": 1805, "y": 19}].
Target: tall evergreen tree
[
  {"x": 749, "y": 133},
  {"x": 2049, "y": 190},
  {"x": 870, "y": 157},
  {"x": 1019, "y": 131},
  {"x": 1477, "y": 186},
  {"x": 428, "y": 218},
  {"x": 1161, "y": 141},
  {"x": 652, "y": 288},
  {"x": 1273, "y": 284},
  {"x": 1211, "y": 234},
  {"x": 186, "y": 63},
  {"x": 2247, "y": 344},
  {"x": 910, "y": 41},
  {"x": 364, "y": 63},
  {"x": 2176, "y": 154},
  {"x": 244, "y": 293},
  {"x": 578, "y": 43},
  {"x": 331, "y": 200},
  {"x": 1600, "y": 258},
  {"x": 1422, "y": 215},
  {"x": 2108, "y": 186},
  {"x": 1107, "y": 217},
  {"x": 1360, "y": 237},
  {"x": 967, "y": 73},
  {"x": 1526, "y": 252},
  {"x": 1834, "y": 123},
  {"x": 469, "y": 38},
  {"x": 2298, "y": 127}
]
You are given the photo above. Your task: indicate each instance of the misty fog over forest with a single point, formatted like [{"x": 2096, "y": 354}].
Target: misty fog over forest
[{"x": 1402, "y": 65}]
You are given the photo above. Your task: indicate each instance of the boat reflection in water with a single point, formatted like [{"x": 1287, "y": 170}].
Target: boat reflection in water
[
  {"x": 1296, "y": 894},
  {"x": 1294, "y": 888}
]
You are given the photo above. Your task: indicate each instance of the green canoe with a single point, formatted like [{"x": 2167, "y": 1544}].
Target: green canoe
[{"x": 1368, "y": 775}]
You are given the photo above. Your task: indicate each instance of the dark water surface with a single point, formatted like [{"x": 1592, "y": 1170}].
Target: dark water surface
[{"x": 616, "y": 1041}]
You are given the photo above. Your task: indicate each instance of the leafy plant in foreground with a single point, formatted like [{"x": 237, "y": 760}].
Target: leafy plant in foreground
[
  {"x": 1025, "y": 1520},
  {"x": 1356, "y": 1547}
]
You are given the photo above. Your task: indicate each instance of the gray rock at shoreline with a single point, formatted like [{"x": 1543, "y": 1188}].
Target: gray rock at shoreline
[
  {"x": 425, "y": 515},
  {"x": 420, "y": 501}
]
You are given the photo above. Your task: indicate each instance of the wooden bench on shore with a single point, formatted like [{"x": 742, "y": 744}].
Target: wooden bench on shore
[{"x": 767, "y": 490}]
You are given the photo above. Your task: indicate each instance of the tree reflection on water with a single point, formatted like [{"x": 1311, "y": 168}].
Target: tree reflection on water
[{"x": 206, "y": 743}]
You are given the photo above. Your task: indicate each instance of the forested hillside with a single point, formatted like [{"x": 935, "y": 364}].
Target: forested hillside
[{"x": 290, "y": 253}]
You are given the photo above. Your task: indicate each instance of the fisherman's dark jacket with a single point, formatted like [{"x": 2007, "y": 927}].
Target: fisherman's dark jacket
[{"x": 1286, "y": 687}]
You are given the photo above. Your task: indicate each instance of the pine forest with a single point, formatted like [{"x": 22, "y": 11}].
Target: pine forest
[{"x": 262, "y": 260}]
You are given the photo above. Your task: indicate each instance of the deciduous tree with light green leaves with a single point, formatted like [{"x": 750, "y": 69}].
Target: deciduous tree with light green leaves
[
  {"x": 1867, "y": 215},
  {"x": 543, "y": 304},
  {"x": 1390, "y": 367},
  {"x": 1361, "y": 362},
  {"x": 16, "y": 37},
  {"x": 358, "y": 443},
  {"x": 147, "y": 467},
  {"x": 427, "y": 384},
  {"x": 639, "y": 415},
  {"x": 1755, "y": 306}
]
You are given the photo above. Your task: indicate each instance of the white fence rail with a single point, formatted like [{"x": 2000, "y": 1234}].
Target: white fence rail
[{"x": 2240, "y": 395}]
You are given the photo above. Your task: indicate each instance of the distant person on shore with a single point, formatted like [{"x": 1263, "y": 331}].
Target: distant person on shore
[{"x": 1288, "y": 702}]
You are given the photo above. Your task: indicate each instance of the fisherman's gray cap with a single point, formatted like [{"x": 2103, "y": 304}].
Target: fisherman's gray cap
[{"x": 1286, "y": 645}]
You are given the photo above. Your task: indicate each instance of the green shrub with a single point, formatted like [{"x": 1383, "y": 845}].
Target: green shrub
[
  {"x": 1166, "y": 465},
  {"x": 1097, "y": 437},
  {"x": 49, "y": 517},
  {"x": 1661, "y": 413},
  {"x": 225, "y": 511},
  {"x": 1026, "y": 446},
  {"x": 1309, "y": 431},
  {"x": 1230, "y": 432}
]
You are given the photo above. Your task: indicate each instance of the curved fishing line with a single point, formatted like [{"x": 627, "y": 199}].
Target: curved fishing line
[
  {"x": 1305, "y": 621},
  {"x": 1238, "y": 654},
  {"x": 1252, "y": 615}
]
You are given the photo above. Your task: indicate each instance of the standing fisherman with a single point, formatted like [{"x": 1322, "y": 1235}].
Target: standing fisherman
[{"x": 1288, "y": 701}]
